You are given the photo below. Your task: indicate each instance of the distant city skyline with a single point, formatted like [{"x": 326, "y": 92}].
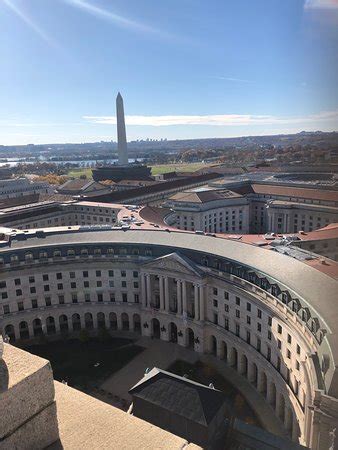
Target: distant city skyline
[{"x": 194, "y": 70}]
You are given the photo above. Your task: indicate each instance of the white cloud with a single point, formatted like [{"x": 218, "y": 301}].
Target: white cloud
[
  {"x": 216, "y": 120},
  {"x": 321, "y": 4},
  {"x": 236, "y": 80}
]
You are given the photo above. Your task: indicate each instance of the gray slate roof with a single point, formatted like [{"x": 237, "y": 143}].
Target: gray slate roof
[{"x": 179, "y": 395}]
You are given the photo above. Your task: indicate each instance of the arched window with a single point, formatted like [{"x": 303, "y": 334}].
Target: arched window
[
  {"x": 14, "y": 258},
  {"x": 57, "y": 253},
  {"x": 71, "y": 252},
  {"x": 29, "y": 256}
]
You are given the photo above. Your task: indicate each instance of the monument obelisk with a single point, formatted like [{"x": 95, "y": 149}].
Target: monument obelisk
[{"x": 121, "y": 132}]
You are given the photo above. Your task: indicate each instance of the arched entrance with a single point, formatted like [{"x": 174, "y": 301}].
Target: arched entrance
[
  {"x": 23, "y": 330},
  {"x": 89, "y": 324},
  {"x": 76, "y": 322},
  {"x": 50, "y": 324},
  {"x": 213, "y": 345},
  {"x": 224, "y": 351},
  {"x": 172, "y": 332},
  {"x": 190, "y": 338},
  {"x": 234, "y": 358},
  {"x": 113, "y": 321},
  {"x": 125, "y": 321},
  {"x": 244, "y": 366},
  {"x": 37, "y": 327},
  {"x": 10, "y": 332},
  {"x": 137, "y": 323},
  {"x": 101, "y": 321},
  {"x": 63, "y": 321},
  {"x": 155, "y": 328}
]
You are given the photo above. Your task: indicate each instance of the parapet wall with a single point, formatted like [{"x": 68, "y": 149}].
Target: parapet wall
[{"x": 27, "y": 401}]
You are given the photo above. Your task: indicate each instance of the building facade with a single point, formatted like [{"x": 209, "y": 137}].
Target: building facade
[{"x": 243, "y": 304}]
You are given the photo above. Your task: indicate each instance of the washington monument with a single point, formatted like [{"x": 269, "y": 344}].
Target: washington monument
[{"x": 121, "y": 132}]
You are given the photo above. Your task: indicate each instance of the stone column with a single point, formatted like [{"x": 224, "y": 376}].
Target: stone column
[
  {"x": 184, "y": 296},
  {"x": 166, "y": 294},
  {"x": 161, "y": 282},
  {"x": 196, "y": 289},
  {"x": 148, "y": 290},
  {"x": 201, "y": 296},
  {"x": 179, "y": 297},
  {"x": 143, "y": 291}
]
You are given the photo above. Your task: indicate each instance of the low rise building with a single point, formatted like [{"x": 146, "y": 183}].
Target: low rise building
[
  {"x": 213, "y": 211},
  {"x": 19, "y": 187}
]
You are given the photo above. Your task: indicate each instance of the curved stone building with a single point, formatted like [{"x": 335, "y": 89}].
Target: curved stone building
[{"x": 271, "y": 317}]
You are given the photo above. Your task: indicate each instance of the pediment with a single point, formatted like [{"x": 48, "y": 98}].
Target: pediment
[{"x": 174, "y": 262}]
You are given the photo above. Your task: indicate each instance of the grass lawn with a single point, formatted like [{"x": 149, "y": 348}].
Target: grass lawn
[
  {"x": 204, "y": 374},
  {"x": 86, "y": 364},
  {"x": 76, "y": 173},
  {"x": 187, "y": 167},
  {"x": 155, "y": 170}
]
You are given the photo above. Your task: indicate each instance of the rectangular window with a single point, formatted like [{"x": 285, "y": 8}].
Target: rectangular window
[
  {"x": 238, "y": 301},
  {"x": 73, "y": 285},
  {"x": 45, "y": 277},
  {"x": 4, "y": 295},
  {"x": 248, "y": 337},
  {"x": 248, "y": 320},
  {"x": 48, "y": 301},
  {"x": 20, "y": 306},
  {"x": 136, "y": 298},
  {"x": 34, "y": 303},
  {"x": 269, "y": 321},
  {"x": 98, "y": 273},
  {"x": 85, "y": 274},
  {"x": 280, "y": 329},
  {"x": 215, "y": 303},
  {"x": 18, "y": 292},
  {"x": 226, "y": 308},
  {"x": 123, "y": 273},
  {"x": 279, "y": 344},
  {"x": 124, "y": 284},
  {"x": 269, "y": 335},
  {"x": 135, "y": 274},
  {"x": 17, "y": 281},
  {"x": 61, "y": 299},
  {"x": 6, "y": 309},
  {"x": 86, "y": 284},
  {"x": 112, "y": 296},
  {"x": 110, "y": 273},
  {"x": 289, "y": 339},
  {"x": 124, "y": 297},
  {"x": 71, "y": 274},
  {"x": 259, "y": 327},
  {"x": 238, "y": 313},
  {"x": 59, "y": 276},
  {"x": 298, "y": 350},
  {"x": 259, "y": 344},
  {"x": 74, "y": 298},
  {"x": 248, "y": 306},
  {"x": 32, "y": 290},
  {"x": 111, "y": 283},
  {"x": 226, "y": 295},
  {"x": 297, "y": 365},
  {"x": 288, "y": 354},
  {"x": 268, "y": 354},
  {"x": 99, "y": 283},
  {"x": 215, "y": 291},
  {"x": 87, "y": 297},
  {"x": 237, "y": 329},
  {"x": 31, "y": 279},
  {"x": 100, "y": 297},
  {"x": 216, "y": 318},
  {"x": 226, "y": 323},
  {"x": 259, "y": 313}
]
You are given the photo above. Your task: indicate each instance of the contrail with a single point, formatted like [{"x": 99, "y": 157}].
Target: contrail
[
  {"x": 116, "y": 18},
  {"x": 30, "y": 23}
]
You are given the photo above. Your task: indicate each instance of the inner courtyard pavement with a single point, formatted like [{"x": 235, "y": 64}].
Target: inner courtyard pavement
[{"x": 162, "y": 354}]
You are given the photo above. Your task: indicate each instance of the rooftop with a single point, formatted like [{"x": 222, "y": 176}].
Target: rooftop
[
  {"x": 199, "y": 196},
  {"x": 179, "y": 395}
]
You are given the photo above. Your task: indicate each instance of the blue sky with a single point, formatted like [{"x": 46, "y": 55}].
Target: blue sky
[{"x": 186, "y": 68}]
